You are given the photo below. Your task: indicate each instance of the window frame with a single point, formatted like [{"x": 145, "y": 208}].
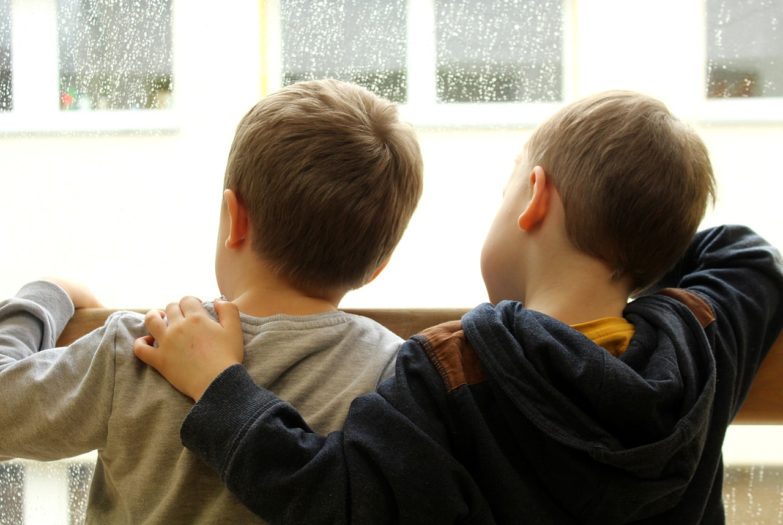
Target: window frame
[
  {"x": 732, "y": 110},
  {"x": 35, "y": 69}
]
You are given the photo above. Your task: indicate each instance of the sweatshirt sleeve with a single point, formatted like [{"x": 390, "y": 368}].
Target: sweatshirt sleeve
[
  {"x": 32, "y": 320},
  {"x": 741, "y": 276},
  {"x": 391, "y": 463},
  {"x": 56, "y": 401}
]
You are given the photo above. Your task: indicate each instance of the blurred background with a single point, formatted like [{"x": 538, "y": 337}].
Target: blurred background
[{"x": 116, "y": 117}]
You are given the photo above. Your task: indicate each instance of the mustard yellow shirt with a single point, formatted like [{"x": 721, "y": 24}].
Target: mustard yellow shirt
[{"x": 611, "y": 333}]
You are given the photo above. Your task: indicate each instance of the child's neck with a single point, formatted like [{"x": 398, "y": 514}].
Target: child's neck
[
  {"x": 579, "y": 290},
  {"x": 573, "y": 306},
  {"x": 264, "y": 303},
  {"x": 264, "y": 296}
]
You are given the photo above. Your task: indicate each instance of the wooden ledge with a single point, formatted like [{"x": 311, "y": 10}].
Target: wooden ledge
[{"x": 764, "y": 404}]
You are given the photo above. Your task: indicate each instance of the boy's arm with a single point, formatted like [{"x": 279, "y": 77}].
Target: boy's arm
[
  {"x": 392, "y": 463},
  {"x": 741, "y": 276},
  {"x": 32, "y": 321},
  {"x": 52, "y": 406}
]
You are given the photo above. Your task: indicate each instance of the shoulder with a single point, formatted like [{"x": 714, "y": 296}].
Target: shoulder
[
  {"x": 699, "y": 306},
  {"x": 448, "y": 350},
  {"x": 120, "y": 330},
  {"x": 369, "y": 328},
  {"x": 127, "y": 321}
]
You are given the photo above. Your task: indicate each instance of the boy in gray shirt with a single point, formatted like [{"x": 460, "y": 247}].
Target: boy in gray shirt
[{"x": 321, "y": 181}]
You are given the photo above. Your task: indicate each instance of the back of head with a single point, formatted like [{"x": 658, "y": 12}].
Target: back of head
[
  {"x": 634, "y": 180},
  {"x": 330, "y": 178}
]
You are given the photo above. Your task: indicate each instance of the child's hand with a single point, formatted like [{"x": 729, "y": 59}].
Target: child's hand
[
  {"x": 188, "y": 347},
  {"x": 80, "y": 296}
]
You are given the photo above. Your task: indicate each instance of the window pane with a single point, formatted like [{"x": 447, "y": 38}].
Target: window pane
[
  {"x": 744, "y": 48},
  {"x": 360, "y": 41},
  {"x": 79, "y": 478},
  {"x": 753, "y": 494},
  {"x": 5, "y": 55},
  {"x": 11, "y": 493},
  {"x": 499, "y": 50},
  {"x": 114, "y": 55}
]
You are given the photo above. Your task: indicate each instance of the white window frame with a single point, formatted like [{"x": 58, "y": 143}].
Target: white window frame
[
  {"x": 733, "y": 110},
  {"x": 421, "y": 107},
  {"x": 740, "y": 110},
  {"x": 35, "y": 70}
]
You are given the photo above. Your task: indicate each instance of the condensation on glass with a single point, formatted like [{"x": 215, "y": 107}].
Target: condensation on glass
[
  {"x": 6, "y": 85},
  {"x": 11, "y": 493},
  {"x": 359, "y": 41},
  {"x": 744, "y": 48},
  {"x": 753, "y": 494},
  {"x": 114, "y": 55},
  {"x": 486, "y": 50},
  {"x": 499, "y": 50},
  {"x": 79, "y": 478}
]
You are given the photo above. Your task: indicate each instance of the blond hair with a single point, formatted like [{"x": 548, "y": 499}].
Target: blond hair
[
  {"x": 634, "y": 180},
  {"x": 330, "y": 178}
]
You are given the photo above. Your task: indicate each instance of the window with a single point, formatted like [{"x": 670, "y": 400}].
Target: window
[
  {"x": 114, "y": 55},
  {"x": 744, "y": 61},
  {"x": 71, "y": 65},
  {"x": 11, "y": 493},
  {"x": 351, "y": 40},
  {"x": 744, "y": 48},
  {"x": 447, "y": 62},
  {"x": 33, "y": 492},
  {"x": 79, "y": 478},
  {"x": 752, "y": 493},
  {"x": 499, "y": 51},
  {"x": 5, "y": 55}
]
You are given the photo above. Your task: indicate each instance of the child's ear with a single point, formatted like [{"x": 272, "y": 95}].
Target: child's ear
[
  {"x": 238, "y": 221},
  {"x": 538, "y": 206},
  {"x": 378, "y": 271}
]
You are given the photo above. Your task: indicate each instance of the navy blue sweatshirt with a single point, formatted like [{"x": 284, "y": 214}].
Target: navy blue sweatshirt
[{"x": 510, "y": 416}]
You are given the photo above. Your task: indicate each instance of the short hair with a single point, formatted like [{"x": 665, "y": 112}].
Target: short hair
[
  {"x": 634, "y": 180},
  {"x": 330, "y": 177}
]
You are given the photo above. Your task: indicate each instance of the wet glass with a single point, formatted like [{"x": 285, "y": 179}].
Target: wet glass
[
  {"x": 11, "y": 493},
  {"x": 6, "y": 97},
  {"x": 744, "y": 48},
  {"x": 359, "y": 41},
  {"x": 115, "y": 55},
  {"x": 753, "y": 494},
  {"x": 499, "y": 50},
  {"x": 79, "y": 478}
]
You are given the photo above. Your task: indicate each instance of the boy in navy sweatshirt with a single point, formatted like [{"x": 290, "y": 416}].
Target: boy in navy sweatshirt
[{"x": 561, "y": 401}]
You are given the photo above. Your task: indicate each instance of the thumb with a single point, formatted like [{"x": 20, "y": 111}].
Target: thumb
[
  {"x": 228, "y": 315},
  {"x": 144, "y": 350}
]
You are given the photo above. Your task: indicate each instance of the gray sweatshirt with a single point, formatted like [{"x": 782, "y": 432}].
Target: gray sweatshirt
[{"x": 94, "y": 394}]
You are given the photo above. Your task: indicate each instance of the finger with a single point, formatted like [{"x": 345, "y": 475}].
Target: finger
[
  {"x": 228, "y": 315},
  {"x": 173, "y": 312},
  {"x": 144, "y": 350},
  {"x": 155, "y": 323},
  {"x": 191, "y": 306}
]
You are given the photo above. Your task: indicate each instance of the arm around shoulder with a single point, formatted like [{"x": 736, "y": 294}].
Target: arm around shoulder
[{"x": 380, "y": 469}]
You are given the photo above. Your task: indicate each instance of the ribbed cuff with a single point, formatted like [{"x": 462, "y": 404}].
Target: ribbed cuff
[{"x": 52, "y": 298}]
